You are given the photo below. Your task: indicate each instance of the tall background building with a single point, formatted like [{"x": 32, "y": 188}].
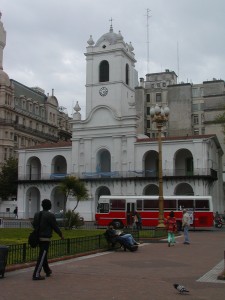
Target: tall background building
[
  {"x": 27, "y": 115},
  {"x": 193, "y": 107}
]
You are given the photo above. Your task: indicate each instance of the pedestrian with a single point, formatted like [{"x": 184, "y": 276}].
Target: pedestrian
[
  {"x": 137, "y": 220},
  {"x": 186, "y": 224},
  {"x": 171, "y": 225},
  {"x": 16, "y": 212},
  {"x": 44, "y": 222}
]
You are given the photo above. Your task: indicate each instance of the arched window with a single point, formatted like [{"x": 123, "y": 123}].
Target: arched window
[
  {"x": 104, "y": 71},
  {"x": 127, "y": 74}
]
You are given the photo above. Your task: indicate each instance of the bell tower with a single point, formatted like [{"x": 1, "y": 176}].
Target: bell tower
[{"x": 110, "y": 73}]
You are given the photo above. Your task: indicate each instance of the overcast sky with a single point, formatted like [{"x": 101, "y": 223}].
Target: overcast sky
[{"x": 47, "y": 39}]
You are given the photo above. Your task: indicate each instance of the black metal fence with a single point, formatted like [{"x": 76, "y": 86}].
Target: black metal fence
[{"x": 23, "y": 253}]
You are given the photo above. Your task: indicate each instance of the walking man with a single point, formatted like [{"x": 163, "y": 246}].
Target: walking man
[
  {"x": 185, "y": 224},
  {"x": 44, "y": 222}
]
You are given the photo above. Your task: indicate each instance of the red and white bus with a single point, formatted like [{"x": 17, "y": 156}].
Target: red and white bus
[{"x": 119, "y": 210}]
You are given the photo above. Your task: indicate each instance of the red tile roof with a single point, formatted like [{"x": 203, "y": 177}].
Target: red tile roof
[{"x": 59, "y": 144}]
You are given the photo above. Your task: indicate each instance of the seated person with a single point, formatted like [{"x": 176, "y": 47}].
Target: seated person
[{"x": 121, "y": 238}]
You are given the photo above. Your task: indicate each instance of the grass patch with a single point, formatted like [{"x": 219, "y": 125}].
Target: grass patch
[{"x": 10, "y": 236}]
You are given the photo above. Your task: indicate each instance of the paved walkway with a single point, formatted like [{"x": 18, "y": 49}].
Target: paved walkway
[{"x": 148, "y": 273}]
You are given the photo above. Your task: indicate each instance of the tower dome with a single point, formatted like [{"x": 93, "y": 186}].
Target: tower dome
[
  {"x": 4, "y": 78},
  {"x": 110, "y": 37}
]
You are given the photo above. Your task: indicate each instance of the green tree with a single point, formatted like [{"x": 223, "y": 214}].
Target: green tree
[
  {"x": 74, "y": 187},
  {"x": 8, "y": 178}
]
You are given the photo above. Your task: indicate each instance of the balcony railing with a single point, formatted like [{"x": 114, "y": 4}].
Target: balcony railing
[{"x": 203, "y": 172}]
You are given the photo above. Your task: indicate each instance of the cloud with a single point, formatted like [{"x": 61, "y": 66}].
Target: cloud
[{"x": 46, "y": 40}]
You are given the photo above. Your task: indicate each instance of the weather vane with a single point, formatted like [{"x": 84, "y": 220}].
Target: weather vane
[{"x": 110, "y": 20}]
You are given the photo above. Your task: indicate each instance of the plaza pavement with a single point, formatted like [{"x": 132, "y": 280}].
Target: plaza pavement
[{"x": 148, "y": 273}]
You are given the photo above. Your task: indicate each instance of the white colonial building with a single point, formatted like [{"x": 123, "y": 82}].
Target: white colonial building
[{"x": 108, "y": 150}]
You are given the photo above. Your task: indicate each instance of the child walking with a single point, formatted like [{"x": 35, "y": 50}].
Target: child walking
[{"x": 171, "y": 225}]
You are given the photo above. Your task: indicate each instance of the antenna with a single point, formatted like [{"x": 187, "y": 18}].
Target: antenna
[
  {"x": 148, "y": 16},
  {"x": 178, "y": 63}
]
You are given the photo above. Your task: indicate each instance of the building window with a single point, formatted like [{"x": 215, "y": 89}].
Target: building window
[
  {"x": 203, "y": 130},
  {"x": 148, "y": 111},
  {"x": 195, "y": 120},
  {"x": 127, "y": 74},
  {"x": 158, "y": 97},
  {"x": 148, "y": 97},
  {"x": 202, "y": 118},
  {"x": 196, "y": 132},
  {"x": 5, "y": 153},
  {"x": 148, "y": 124},
  {"x": 104, "y": 71}
]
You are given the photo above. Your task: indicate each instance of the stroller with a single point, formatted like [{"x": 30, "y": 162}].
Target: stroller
[{"x": 113, "y": 240}]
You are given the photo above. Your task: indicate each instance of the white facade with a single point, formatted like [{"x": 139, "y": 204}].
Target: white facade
[{"x": 106, "y": 151}]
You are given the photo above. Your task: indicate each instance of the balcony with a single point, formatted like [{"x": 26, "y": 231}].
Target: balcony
[{"x": 204, "y": 173}]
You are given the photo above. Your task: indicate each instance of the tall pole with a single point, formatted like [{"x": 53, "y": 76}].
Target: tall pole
[
  {"x": 160, "y": 117},
  {"x": 161, "y": 199}
]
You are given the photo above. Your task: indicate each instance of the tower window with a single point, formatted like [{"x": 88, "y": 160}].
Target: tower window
[
  {"x": 127, "y": 74},
  {"x": 158, "y": 97},
  {"x": 104, "y": 71}
]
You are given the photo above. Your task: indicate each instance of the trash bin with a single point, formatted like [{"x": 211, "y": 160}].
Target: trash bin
[{"x": 3, "y": 259}]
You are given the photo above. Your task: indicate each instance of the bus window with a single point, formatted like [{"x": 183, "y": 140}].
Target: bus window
[
  {"x": 185, "y": 203},
  {"x": 117, "y": 204},
  {"x": 103, "y": 208},
  {"x": 170, "y": 204},
  {"x": 202, "y": 205},
  {"x": 151, "y": 204},
  {"x": 139, "y": 204}
]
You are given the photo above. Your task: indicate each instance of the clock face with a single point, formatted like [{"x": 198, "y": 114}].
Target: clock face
[{"x": 103, "y": 91}]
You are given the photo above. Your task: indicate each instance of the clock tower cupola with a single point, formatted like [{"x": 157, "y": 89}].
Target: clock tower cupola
[{"x": 110, "y": 73}]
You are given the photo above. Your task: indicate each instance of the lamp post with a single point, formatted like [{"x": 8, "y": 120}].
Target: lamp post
[{"x": 160, "y": 116}]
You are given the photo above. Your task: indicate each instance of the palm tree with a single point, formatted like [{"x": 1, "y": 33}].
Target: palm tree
[{"x": 73, "y": 186}]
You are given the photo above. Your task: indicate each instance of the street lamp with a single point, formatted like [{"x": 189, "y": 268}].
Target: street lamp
[{"x": 160, "y": 116}]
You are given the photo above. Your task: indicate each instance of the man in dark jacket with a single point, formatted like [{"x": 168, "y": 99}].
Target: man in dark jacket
[{"x": 45, "y": 223}]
